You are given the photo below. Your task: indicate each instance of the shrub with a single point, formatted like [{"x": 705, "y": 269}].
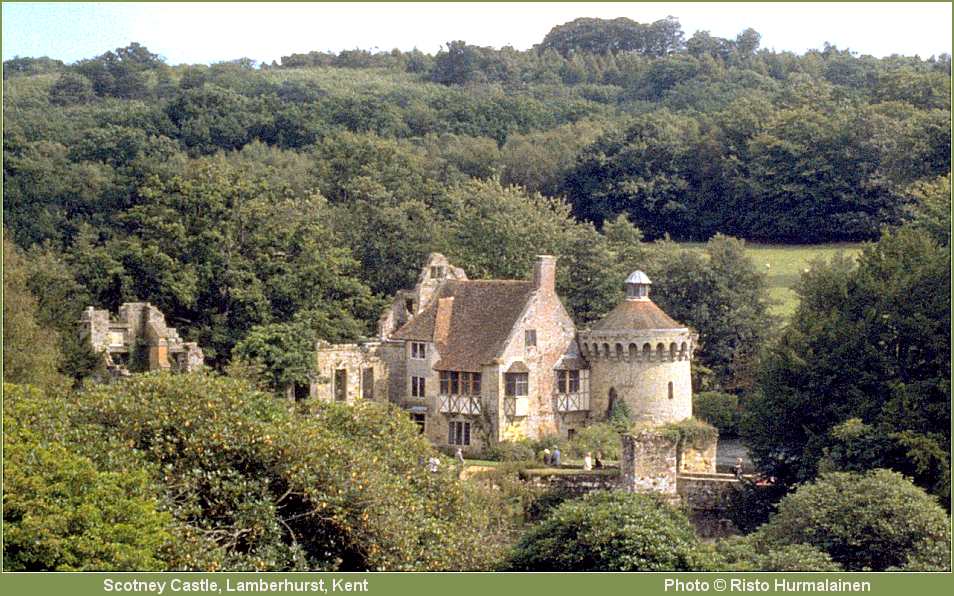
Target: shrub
[
  {"x": 746, "y": 554},
  {"x": 721, "y": 410},
  {"x": 549, "y": 442},
  {"x": 611, "y": 531},
  {"x": 753, "y": 504},
  {"x": 876, "y": 521},
  {"x": 595, "y": 438},
  {"x": 690, "y": 432},
  {"x": 251, "y": 483},
  {"x": 620, "y": 415},
  {"x": 511, "y": 451}
]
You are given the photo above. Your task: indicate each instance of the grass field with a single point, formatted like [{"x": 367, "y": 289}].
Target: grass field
[{"x": 784, "y": 265}]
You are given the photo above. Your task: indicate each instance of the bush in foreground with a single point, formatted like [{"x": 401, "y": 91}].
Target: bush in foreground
[
  {"x": 250, "y": 483},
  {"x": 611, "y": 531},
  {"x": 747, "y": 554},
  {"x": 62, "y": 513},
  {"x": 878, "y": 520}
]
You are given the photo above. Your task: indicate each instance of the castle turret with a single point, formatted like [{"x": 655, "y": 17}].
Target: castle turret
[{"x": 639, "y": 355}]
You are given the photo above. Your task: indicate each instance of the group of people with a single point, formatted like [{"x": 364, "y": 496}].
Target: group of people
[
  {"x": 593, "y": 464},
  {"x": 551, "y": 457}
]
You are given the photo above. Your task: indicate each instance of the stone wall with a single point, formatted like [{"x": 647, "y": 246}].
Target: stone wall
[
  {"x": 699, "y": 459},
  {"x": 354, "y": 359},
  {"x": 649, "y": 463},
  {"x": 707, "y": 492},
  {"x": 572, "y": 483},
  {"x": 137, "y": 339}
]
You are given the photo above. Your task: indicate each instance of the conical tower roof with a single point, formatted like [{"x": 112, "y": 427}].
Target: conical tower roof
[
  {"x": 637, "y": 312},
  {"x": 636, "y": 315}
]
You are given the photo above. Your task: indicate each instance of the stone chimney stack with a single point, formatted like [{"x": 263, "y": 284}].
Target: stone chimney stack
[
  {"x": 442, "y": 322},
  {"x": 544, "y": 273}
]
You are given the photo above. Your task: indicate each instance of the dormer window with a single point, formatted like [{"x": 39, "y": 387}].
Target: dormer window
[{"x": 418, "y": 350}]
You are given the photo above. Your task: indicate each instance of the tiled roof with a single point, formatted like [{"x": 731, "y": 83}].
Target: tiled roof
[
  {"x": 483, "y": 314},
  {"x": 636, "y": 314}
]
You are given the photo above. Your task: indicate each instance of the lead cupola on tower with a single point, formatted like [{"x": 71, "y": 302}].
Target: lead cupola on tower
[{"x": 637, "y": 286}]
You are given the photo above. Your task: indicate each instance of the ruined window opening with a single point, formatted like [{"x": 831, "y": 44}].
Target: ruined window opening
[
  {"x": 570, "y": 433},
  {"x": 670, "y": 390},
  {"x": 341, "y": 384},
  {"x": 418, "y": 350},
  {"x": 437, "y": 272},
  {"x": 517, "y": 384},
  {"x": 409, "y": 305},
  {"x": 417, "y": 386},
  {"x": 530, "y": 337},
  {"x": 367, "y": 383},
  {"x": 420, "y": 420},
  {"x": 458, "y": 433},
  {"x": 301, "y": 391}
]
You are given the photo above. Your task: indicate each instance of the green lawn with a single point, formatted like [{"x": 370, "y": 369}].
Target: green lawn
[{"x": 784, "y": 265}]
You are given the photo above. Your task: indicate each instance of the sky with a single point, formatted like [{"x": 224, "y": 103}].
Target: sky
[{"x": 213, "y": 32}]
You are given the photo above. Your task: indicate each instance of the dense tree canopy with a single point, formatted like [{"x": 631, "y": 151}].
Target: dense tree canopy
[{"x": 870, "y": 343}]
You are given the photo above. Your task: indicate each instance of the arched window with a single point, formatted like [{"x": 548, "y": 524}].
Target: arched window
[
  {"x": 660, "y": 352},
  {"x": 606, "y": 350},
  {"x": 647, "y": 352},
  {"x": 633, "y": 352},
  {"x": 672, "y": 351},
  {"x": 670, "y": 390},
  {"x": 619, "y": 351},
  {"x": 683, "y": 351},
  {"x": 610, "y": 402}
]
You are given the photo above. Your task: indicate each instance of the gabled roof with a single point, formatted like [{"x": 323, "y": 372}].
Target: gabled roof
[
  {"x": 636, "y": 315},
  {"x": 483, "y": 314}
]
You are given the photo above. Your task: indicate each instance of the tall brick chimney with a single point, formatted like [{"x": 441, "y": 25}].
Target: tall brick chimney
[
  {"x": 544, "y": 273},
  {"x": 442, "y": 322}
]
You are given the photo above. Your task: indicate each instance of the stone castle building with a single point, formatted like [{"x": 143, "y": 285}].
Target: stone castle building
[
  {"x": 138, "y": 339},
  {"x": 475, "y": 362}
]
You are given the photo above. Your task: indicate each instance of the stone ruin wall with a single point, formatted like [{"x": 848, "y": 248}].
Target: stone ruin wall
[
  {"x": 138, "y": 338},
  {"x": 649, "y": 464}
]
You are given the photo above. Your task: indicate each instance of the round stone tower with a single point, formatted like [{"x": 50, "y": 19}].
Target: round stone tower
[{"x": 638, "y": 354}]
